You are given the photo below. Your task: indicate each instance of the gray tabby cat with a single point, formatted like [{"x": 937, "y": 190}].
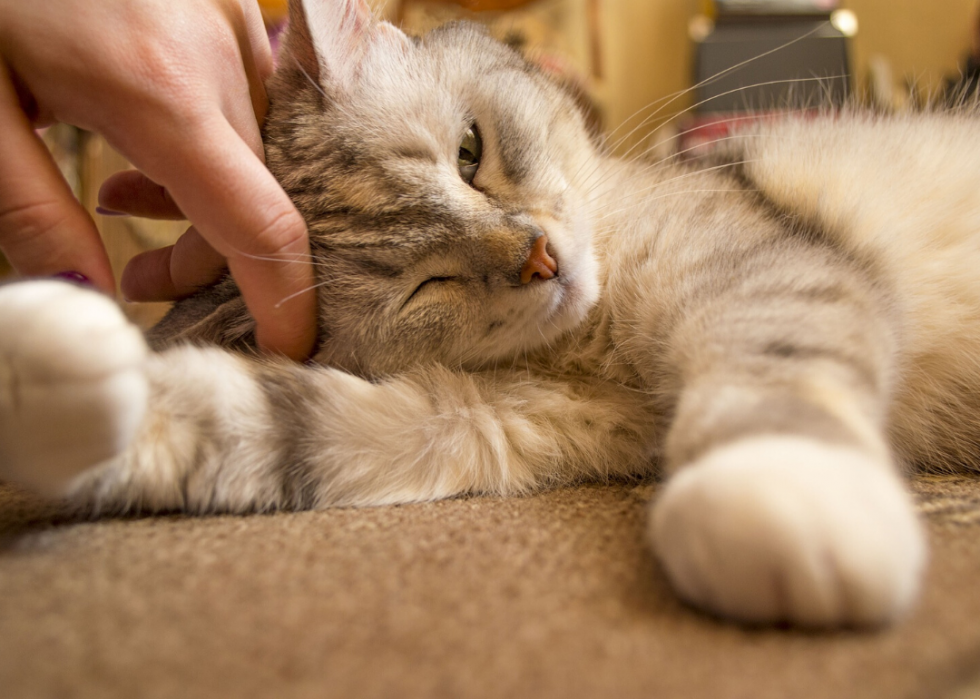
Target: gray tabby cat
[{"x": 504, "y": 308}]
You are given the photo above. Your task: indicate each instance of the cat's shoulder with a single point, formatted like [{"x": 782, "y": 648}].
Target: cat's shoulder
[{"x": 832, "y": 166}]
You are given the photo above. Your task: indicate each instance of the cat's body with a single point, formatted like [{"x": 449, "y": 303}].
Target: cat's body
[{"x": 782, "y": 332}]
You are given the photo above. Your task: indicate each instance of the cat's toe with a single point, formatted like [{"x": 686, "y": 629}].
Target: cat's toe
[
  {"x": 776, "y": 529},
  {"x": 72, "y": 384}
]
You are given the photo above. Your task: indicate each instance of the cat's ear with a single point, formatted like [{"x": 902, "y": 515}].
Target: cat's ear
[{"x": 330, "y": 39}]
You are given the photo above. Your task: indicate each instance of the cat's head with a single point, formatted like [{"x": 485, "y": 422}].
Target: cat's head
[{"x": 443, "y": 181}]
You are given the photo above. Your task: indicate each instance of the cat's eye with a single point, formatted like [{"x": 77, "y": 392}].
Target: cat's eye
[
  {"x": 470, "y": 151},
  {"x": 429, "y": 284}
]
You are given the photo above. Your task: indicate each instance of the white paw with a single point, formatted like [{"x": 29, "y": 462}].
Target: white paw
[
  {"x": 777, "y": 529},
  {"x": 72, "y": 385}
]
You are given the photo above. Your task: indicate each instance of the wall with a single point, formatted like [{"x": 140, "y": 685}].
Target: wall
[
  {"x": 648, "y": 54},
  {"x": 647, "y": 58},
  {"x": 923, "y": 39}
]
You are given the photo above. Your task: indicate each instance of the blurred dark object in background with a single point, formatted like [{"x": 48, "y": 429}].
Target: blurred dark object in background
[
  {"x": 757, "y": 58},
  {"x": 775, "y": 7},
  {"x": 963, "y": 88}
]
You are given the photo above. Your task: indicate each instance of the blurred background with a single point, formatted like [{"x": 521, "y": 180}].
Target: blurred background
[{"x": 622, "y": 56}]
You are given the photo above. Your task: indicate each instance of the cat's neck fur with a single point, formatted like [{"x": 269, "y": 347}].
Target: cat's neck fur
[{"x": 637, "y": 208}]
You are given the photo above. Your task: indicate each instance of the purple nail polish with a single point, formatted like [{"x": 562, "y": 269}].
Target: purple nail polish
[
  {"x": 75, "y": 277},
  {"x": 109, "y": 212}
]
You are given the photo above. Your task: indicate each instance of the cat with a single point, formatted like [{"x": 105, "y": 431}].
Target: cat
[{"x": 504, "y": 308}]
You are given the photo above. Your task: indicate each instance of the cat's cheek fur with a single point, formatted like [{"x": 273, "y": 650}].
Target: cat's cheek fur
[
  {"x": 73, "y": 387},
  {"x": 778, "y": 528}
]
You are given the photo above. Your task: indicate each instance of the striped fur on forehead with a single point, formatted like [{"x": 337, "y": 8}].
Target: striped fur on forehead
[
  {"x": 406, "y": 118},
  {"x": 407, "y": 227},
  {"x": 379, "y": 179},
  {"x": 414, "y": 261}
]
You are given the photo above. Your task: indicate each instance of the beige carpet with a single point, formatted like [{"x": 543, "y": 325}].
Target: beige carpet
[{"x": 546, "y": 596}]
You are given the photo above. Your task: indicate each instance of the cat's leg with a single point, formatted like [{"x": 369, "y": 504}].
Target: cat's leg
[
  {"x": 779, "y": 528},
  {"x": 226, "y": 433},
  {"x": 73, "y": 390},
  {"x": 203, "y": 429},
  {"x": 785, "y": 503}
]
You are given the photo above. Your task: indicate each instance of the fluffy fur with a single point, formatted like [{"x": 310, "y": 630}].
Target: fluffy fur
[{"x": 780, "y": 333}]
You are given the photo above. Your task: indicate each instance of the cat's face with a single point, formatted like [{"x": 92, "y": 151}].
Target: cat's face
[{"x": 427, "y": 170}]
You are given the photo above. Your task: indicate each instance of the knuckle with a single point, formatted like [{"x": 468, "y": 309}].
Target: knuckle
[
  {"x": 283, "y": 229},
  {"x": 162, "y": 75},
  {"x": 23, "y": 222}
]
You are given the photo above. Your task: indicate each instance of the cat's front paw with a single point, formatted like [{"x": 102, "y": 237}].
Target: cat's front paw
[
  {"x": 73, "y": 389},
  {"x": 775, "y": 529}
]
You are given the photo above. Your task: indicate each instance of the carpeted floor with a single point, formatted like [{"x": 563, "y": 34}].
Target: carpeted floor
[{"x": 548, "y": 596}]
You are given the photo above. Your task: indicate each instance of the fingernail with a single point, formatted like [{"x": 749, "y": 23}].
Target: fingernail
[
  {"x": 75, "y": 277},
  {"x": 109, "y": 212}
]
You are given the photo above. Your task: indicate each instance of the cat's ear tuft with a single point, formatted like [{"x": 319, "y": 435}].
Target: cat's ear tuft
[{"x": 330, "y": 39}]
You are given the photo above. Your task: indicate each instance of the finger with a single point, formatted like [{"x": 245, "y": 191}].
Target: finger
[
  {"x": 258, "y": 39},
  {"x": 147, "y": 277},
  {"x": 255, "y": 57},
  {"x": 43, "y": 229},
  {"x": 173, "y": 272},
  {"x": 132, "y": 192},
  {"x": 249, "y": 220}
]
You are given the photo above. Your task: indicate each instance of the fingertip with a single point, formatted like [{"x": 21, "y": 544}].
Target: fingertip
[
  {"x": 132, "y": 192},
  {"x": 292, "y": 333},
  {"x": 194, "y": 264},
  {"x": 259, "y": 41},
  {"x": 147, "y": 277}
]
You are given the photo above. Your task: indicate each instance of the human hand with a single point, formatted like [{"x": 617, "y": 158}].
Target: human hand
[{"x": 176, "y": 86}]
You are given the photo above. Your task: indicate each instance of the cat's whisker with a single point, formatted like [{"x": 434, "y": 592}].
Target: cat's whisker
[
  {"x": 301, "y": 292},
  {"x": 614, "y": 212},
  {"x": 688, "y": 175},
  {"x": 285, "y": 258},
  {"x": 666, "y": 160},
  {"x": 336, "y": 105},
  {"x": 626, "y": 156},
  {"x": 720, "y": 74},
  {"x": 649, "y": 168},
  {"x": 282, "y": 257},
  {"x": 607, "y": 147},
  {"x": 667, "y": 119},
  {"x": 652, "y": 167},
  {"x": 768, "y": 83},
  {"x": 610, "y": 214},
  {"x": 311, "y": 81},
  {"x": 750, "y": 118}
]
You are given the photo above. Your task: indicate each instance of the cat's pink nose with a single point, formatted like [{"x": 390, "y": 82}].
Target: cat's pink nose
[{"x": 539, "y": 263}]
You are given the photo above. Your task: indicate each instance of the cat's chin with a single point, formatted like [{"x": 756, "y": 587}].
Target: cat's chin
[
  {"x": 571, "y": 300},
  {"x": 570, "y": 306},
  {"x": 577, "y": 284},
  {"x": 565, "y": 305},
  {"x": 578, "y": 292}
]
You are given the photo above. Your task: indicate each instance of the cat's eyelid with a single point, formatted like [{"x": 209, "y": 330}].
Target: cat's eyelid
[
  {"x": 427, "y": 282},
  {"x": 420, "y": 154}
]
